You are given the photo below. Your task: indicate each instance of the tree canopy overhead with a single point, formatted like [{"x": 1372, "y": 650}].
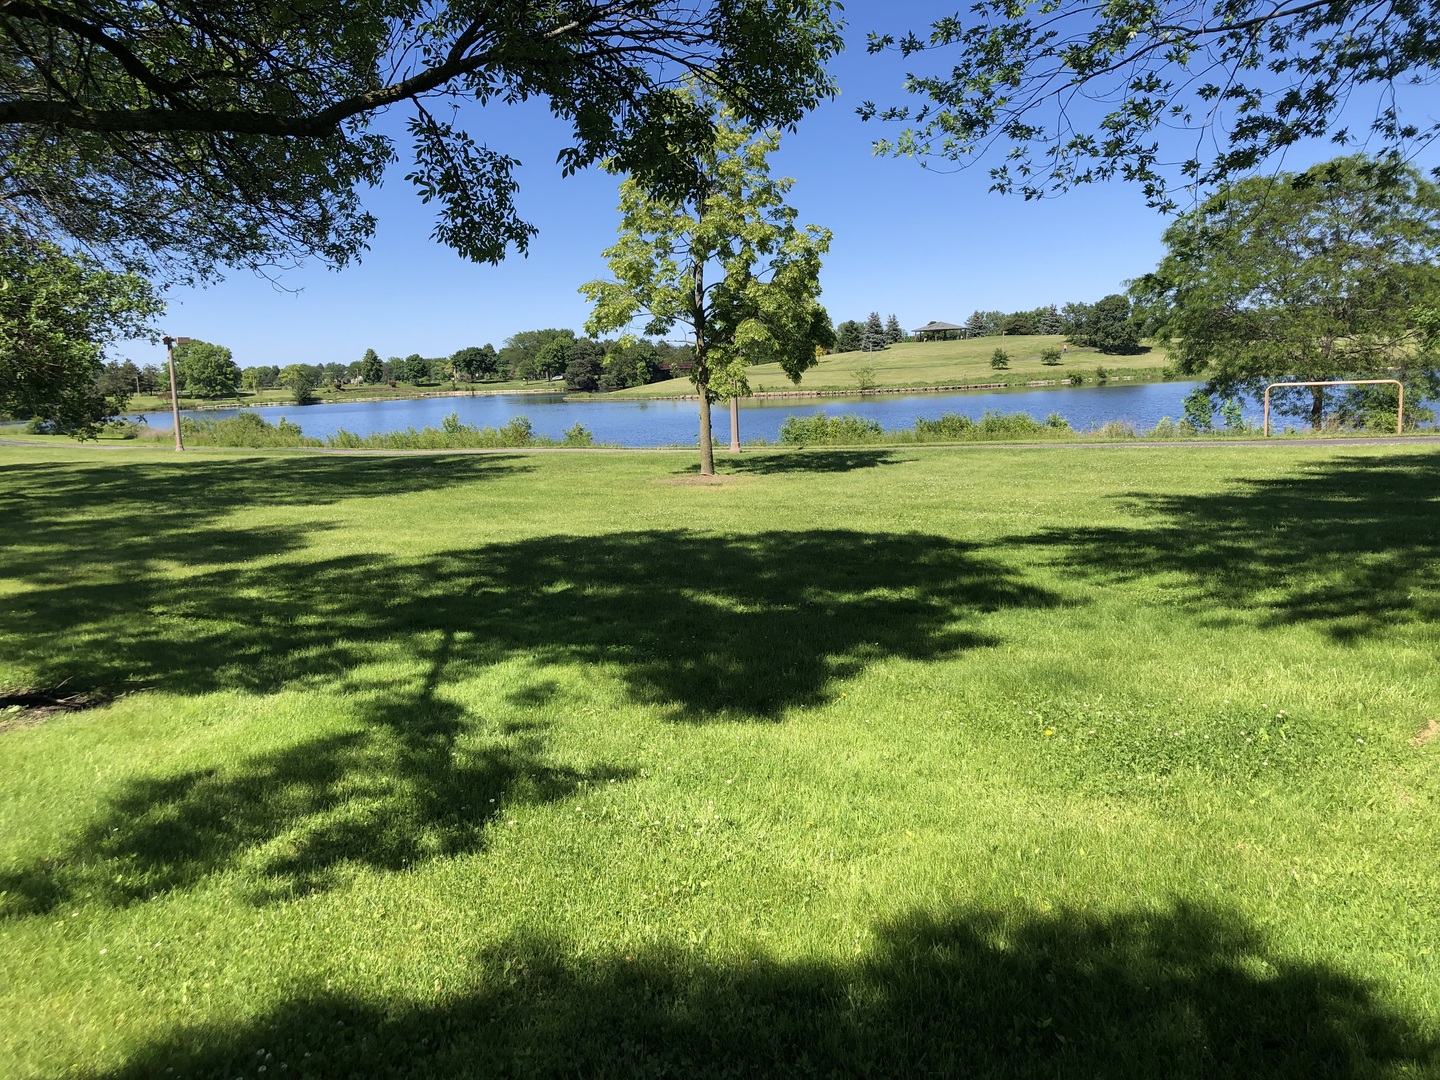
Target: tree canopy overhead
[
  {"x": 1326, "y": 274},
  {"x": 1074, "y": 93},
  {"x": 176, "y": 137}
]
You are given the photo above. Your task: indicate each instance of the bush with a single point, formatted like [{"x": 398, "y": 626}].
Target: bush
[
  {"x": 1116, "y": 429},
  {"x": 579, "y": 435},
  {"x": 864, "y": 376},
  {"x": 1050, "y": 356},
  {"x": 1101, "y": 374},
  {"x": 822, "y": 429},
  {"x": 1056, "y": 422},
  {"x": 1074, "y": 378},
  {"x": 1166, "y": 428},
  {"x": 999, "y": 360},
  {"x": 248, "y": 429},
  {"x": 993, "y": 426},
  {"x": 1199, "y": 409},
  {"x": 1233, "y": 415}
]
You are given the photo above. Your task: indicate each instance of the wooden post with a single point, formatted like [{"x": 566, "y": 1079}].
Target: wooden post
[{"x": 734, "y": 425}]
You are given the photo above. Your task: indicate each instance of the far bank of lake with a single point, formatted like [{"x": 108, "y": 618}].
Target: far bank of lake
[{"x": 675, "y": 422}]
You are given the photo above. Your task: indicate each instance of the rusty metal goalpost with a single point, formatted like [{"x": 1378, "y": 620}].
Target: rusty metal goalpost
[{"x": 1399, "y": 415}]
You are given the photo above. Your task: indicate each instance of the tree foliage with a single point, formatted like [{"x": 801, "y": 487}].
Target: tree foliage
[
  {"x": 57, "y": 314},
  {"x": 473, "y": 362},
  {"x": 1326, "y": 274},
  {"x": 727, "y": 261},
  {"x": 206, "y": 370},
  {"x": 1073, "y": 93},
  {"x": 176, "y": 137},
  {"x": 372, "y": 368}
]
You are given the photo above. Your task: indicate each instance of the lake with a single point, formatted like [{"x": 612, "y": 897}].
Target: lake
[{"x": 636, "y": 423}]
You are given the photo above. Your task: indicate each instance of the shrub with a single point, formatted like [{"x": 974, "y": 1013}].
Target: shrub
[
  {"x": 864, "y": 376},
  {"x": 579, "y": 435},
  {"x": 1166, "y": 428},
  {"x": 1074, "y": 378},
  {"x": 999, "y": 360},
  {"x": 247, "y": 429},
  {"x": 1101, "y": 374},
  {"x": 1050, "y": 356},
  {"x": 1199, "y": 409},
  {"x": 1056, "y": 422},
  {"x": 991, "y": 426},
  {"x": 1116, "y": 429},
  {"x": 822, "y": 429},
  {"x": 1232, "y": 414}
]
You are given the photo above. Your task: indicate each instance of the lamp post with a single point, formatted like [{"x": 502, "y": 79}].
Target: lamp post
[{"x": 170, "y": 344}]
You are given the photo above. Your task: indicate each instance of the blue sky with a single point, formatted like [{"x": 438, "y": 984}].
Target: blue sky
[{"x": 918, "y": 243}]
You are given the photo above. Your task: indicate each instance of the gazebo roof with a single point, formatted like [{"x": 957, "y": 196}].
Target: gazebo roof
[{"x": 936, "y": 326}]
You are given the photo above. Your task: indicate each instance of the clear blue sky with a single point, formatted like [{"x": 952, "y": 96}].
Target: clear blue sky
[{"x": 915, "y": 242}]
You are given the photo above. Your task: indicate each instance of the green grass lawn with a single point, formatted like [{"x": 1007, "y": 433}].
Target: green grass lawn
[
  {"x": 992, "y": 762},
  {"x": 938, "y": 363}
]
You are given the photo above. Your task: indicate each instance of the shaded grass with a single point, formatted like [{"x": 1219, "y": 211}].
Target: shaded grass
[{"x": 863, "y": 762}]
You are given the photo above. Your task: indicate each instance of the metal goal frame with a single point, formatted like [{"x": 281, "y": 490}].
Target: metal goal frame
[{"x": 1399, "y": 415}]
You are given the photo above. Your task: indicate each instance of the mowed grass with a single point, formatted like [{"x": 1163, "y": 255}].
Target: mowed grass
[
  {"x": 1027, "y": 763},
  {"x": 938, "y": 363}
]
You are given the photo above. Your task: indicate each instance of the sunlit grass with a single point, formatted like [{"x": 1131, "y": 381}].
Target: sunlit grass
[
  {"x": 939, "y": 363},
  {"x": 1088, "y": 762}
]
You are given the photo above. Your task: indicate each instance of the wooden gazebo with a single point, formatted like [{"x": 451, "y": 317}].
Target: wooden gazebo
[{"x": 938, "y": 331}]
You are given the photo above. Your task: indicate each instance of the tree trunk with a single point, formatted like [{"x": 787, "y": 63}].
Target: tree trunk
[
  {"x": 707, "y": 448},
  {"x": 1317, "y": 406},
  {"x": 734, "y": 425}
]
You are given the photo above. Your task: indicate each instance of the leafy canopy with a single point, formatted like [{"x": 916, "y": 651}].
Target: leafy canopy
[
  {"x": 206, "y": 370},
  {"x": 57, "y": 314},
  {"x": 175, "y": 137},
  {"x": 728, "y": 263},
  {"x": 1326, "y": 274},
  {"x": 1075, "y": 93}
]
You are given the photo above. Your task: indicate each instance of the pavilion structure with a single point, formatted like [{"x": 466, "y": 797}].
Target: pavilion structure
[{"x": 938, "y": 331}]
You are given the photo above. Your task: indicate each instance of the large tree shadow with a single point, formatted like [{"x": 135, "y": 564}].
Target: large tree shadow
[
  {"x": 1351, "y": 547},
  {"x": 62, "y": 519},
  {"x": 698, "y": 628},
  {"x": 1184, "y": 992}
]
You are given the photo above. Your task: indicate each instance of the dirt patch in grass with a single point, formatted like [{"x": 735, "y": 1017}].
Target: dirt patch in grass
[
  {"x": 25, "y": 707},
  {"x": 1430, "y": 731}
]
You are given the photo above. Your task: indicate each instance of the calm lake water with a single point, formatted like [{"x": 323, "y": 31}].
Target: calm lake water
[{"x": 676, "y": 423}]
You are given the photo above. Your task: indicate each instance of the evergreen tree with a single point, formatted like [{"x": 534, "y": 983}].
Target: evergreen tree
[
  {"x": 1051, "y": 322},
  {"x": 893, "y": 334},
  {"x": 372, "y": 368},
  {"x": 849, "y": 336},
  {"x": 873, "y": 336}
]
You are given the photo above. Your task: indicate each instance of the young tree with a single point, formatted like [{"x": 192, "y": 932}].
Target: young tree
[
  {"x": 999, "y": 360},
  {"x": 1326, "y": 274},
  {"x": 301, "y": 380},
  {"x": 206, "y": 370},
  {"x": 267, "y": 111},
  {"x": 727, "y": 261},
  {"x": 1246, "y": 77},
  {"x": 372, "y": 368},
  {"x": 58, "y": 311}
]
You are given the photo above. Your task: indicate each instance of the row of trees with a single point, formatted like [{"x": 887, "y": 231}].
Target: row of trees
[{"x": 869, "y": 336}]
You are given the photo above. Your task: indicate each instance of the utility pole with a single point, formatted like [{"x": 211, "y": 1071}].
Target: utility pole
[{"x": 170, "y": 344}]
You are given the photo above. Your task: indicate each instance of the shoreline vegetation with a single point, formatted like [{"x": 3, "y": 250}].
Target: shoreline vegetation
[{"x": 843, "y": 430}]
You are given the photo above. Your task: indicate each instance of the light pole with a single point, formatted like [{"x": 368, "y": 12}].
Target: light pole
[{"x": 170, "y": 344}]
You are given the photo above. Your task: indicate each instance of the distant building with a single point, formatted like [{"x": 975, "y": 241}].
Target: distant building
[{"x": 939, "y": 331}]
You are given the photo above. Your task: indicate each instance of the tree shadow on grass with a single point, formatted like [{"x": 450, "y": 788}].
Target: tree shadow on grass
[
  {"x": 703, "y": 627},
  {"x": 699, "y": 628},
  {"x": 63, "y": 519},
  {"x": 776, "y": 462},
  {"x": 1183, "y": 992},
  {"x": 1351, "y": 547}
]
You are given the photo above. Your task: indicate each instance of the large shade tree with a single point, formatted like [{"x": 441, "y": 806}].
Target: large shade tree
[
  {"x": 1326, "y": 274},
  {"x": 727, "y": 262},
  {"x": 1159, "y": 90},
  {"x": 176, "y": 137}
]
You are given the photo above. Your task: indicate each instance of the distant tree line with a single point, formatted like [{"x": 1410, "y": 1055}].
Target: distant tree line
[
  {"x": 1108, "y": 325},
  {"x": 872, "y": 335}
]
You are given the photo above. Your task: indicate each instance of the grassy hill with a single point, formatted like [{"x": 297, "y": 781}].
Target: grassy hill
[{"x": 939, "y": 363}]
